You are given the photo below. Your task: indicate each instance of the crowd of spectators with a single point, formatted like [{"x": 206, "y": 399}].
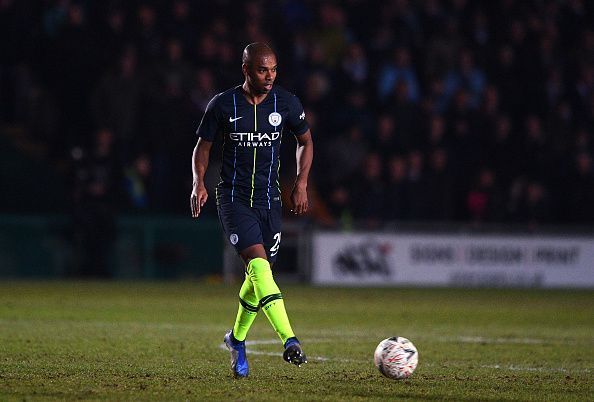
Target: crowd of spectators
[{"x": 421, "y": 110}]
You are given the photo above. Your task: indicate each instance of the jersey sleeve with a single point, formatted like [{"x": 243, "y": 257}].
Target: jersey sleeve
[
  {"x": 210, "y": 123},
  {"x": 296, "y": 119}
]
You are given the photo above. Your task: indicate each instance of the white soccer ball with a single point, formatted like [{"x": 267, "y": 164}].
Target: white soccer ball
[{"x": 396, "y": 357}]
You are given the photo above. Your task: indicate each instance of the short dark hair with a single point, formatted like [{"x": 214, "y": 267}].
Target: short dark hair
[{"x": 254, "y": 50}]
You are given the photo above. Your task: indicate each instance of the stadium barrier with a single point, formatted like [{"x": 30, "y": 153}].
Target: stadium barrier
[
  {"x": 144, "y": 248},
  {"x": 178, "y": 247},
  {"x": 452, "y": 259}
]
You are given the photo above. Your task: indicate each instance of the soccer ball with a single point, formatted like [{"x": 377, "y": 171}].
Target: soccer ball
[{"x": 396, "y": 357}]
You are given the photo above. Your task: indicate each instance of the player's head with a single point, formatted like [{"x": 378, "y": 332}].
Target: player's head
[{"x": 259, "y": 67}]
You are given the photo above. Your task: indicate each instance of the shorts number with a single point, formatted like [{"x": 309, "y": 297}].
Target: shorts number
[{"x": 276, "y": 246}]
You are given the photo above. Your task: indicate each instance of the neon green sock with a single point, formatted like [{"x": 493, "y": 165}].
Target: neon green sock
[
  {"x": 270, "y": 297},
  {"x": 247, "y": 310}
]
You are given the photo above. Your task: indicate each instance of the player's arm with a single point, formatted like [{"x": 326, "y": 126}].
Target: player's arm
[
  {"x": 209, "y": 126},
  {"x": 304, "y": 155},
  {"x": 200, "y": 158}
]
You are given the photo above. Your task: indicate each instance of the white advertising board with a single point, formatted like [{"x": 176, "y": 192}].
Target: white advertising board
[{"x": 380, "y": 259}]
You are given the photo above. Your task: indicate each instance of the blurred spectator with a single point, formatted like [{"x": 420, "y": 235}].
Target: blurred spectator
[
  {"x": 202, "y": 90},
  {"x": 505, "y": 74},
  {"x": 332, "y": 32},
  {"x": 483, "y": 200},
  {"x": 399, "y": 69},
  {"x": 386, "y": 140},
  {"x": 466, "y": 76},
  {"x": 137, "y": 183},
  {"x": 580, "y": 190},
  {"x": 489, "y": 110},
  {"x": 466, "y": 158},
  {"x": 437, "y": 132},
  {"x": 532, "y": 203},
  {"x": 343, "y": 156},
  {"x": 354, "y": 66},
  {"x": 396, "y": 205},
  {"x": 444, "y": 45},
  {"x": 354, "y": 111},
  {"x": 297, "y": 14},
  {"x": 148, "y": 37},
  {"x": 454, "y": 86},
  {"x": 97, "y": 179},
  {"x": 481, "y": 36},
  {"x": 75, "y": 64},
  {"x": 583, "y": 90},
  {"x": 112, "y": 37},
  {"x": 339, "y": 201},
  {"x": 370, "y": 191},
  {"x": 54, "y": 16},
  {"x": 417, "y": 186},
  {"x": 535, "y": 148},
  {"x": 167, "y": 125},
  {"x": 317, "y": 90},
  {"x": 537, "y": 204},
  {"x": 181, "y": 25},
  {"x": 440, "y": 186},
  {"x": 406, "y": 114},
  {"x": 583, "y": 141},
  {"x": 554, "y": 88},
  {"x": 504, "y": 151},
  {"x": 116, "y": 102}
]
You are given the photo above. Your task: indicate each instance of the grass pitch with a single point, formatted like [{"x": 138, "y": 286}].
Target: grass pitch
[{"x": 163, "y": 341}]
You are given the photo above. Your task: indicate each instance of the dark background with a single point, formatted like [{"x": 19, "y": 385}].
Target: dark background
[{"x": 464, "y": 112}]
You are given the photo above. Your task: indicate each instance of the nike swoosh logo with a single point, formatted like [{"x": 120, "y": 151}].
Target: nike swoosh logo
[{"x": 231, "y": 119}]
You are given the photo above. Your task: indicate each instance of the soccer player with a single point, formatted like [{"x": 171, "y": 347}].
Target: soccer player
[{"x": 252, "y": 119}]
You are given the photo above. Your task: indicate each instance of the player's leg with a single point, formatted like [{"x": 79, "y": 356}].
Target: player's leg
[
  {"x": 235, "y": 338},
  {"x": 240, "y": 226},
  {"x": 246, "y": 311},
  {"x": 259, "y": 259},
  {"x": 267, "y": 291},
  {"x": 272, "y": 303},
  {"x": 242, "y": 229}
]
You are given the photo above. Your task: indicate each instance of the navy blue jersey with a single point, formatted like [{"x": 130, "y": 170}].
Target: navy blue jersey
[{"x": 252, "y": 137}]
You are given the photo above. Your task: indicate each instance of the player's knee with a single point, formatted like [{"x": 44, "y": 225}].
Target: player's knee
[
  {"x": 253, "y": 252},
  {"x": 259, "y": 266}
]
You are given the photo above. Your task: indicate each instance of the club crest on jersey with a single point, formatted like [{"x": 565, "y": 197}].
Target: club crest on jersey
[
  {"x": 234, "y": 238},
  {"x": 275, "y": 118}
]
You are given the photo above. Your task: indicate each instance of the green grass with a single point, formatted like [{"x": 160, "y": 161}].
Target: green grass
[{"x": 162, "y": 341}]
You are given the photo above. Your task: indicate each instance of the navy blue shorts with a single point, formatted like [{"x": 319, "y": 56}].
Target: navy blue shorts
[{"x": 245, "y": 226}]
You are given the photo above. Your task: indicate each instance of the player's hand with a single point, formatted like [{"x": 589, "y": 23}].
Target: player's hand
[
  {"x": 198, "y": 199},
  {"x": 299, "y": 199}
]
